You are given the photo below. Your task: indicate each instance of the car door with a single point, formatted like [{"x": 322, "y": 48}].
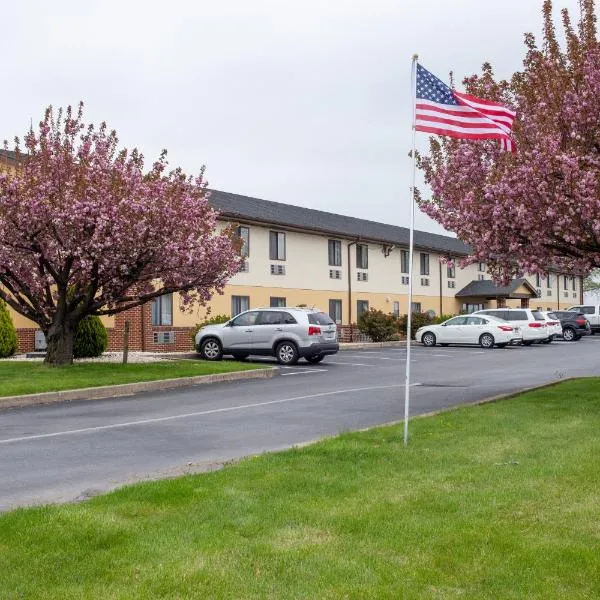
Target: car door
[
  {"x": 269, "y": 327},
  {"x": 238, "y": 335},
  {"x": 452, "y": 331},
  {"x": 473, "y": 329}
]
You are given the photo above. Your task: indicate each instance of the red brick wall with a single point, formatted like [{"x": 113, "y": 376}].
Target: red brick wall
[{"x": 141, "y": 333}]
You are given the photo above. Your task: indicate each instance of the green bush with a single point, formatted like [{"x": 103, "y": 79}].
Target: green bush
[
  {"x": 377, "y": 325},
  {"x": 8, "y": 335},
  {"x": 216, "y": 320},
  {"x": 90, "y": 339}
]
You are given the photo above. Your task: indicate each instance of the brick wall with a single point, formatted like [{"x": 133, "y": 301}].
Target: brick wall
[{"x": 26, "y": 340}]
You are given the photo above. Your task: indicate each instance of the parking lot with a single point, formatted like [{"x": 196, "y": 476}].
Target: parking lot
[{"x": 72, "y": 450}]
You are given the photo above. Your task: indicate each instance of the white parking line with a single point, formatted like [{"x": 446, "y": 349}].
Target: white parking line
[
  {"x": 200, "y": 413},
  {"x": 305, "y": 372},
  {"x": 351, "y": 364}
]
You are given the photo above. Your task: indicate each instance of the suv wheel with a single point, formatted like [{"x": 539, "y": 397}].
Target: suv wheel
[
  {"x": 286, "y": 353},
  {"x": 486, "y": 340},
  {"x": 569, "y": 334},
  {"x": 210, "y": 349}
]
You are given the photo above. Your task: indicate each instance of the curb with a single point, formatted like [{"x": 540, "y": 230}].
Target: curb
[
  {"x": 367, "y": 345},
  {"x": 128, "y": 389}
]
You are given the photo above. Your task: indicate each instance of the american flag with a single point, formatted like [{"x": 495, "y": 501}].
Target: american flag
[{"x": 443, "y": 111}]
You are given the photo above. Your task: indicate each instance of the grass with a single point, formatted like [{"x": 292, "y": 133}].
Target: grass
[
  {"x": 28, "y": 377},
  {"x": 499, "y": 501}
]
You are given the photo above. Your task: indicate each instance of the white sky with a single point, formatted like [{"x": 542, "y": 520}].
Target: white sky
[{"x": 306, "y": 103}]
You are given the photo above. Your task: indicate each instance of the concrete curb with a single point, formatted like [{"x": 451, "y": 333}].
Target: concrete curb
[
  {"x": 368, "y": 345},
  {"x": 128, "y": 389}
]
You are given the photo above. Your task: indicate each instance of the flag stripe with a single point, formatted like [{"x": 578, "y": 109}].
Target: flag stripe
[{"x": 442, "y": 111}]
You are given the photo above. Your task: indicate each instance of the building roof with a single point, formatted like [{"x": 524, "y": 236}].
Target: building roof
[
  {"x": 245, "y": 208},
  {"x": 8, "y": 154},
  {"x": 487, "y": 289}
]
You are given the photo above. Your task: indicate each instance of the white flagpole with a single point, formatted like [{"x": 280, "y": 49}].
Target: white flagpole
[{"x": 410, "y": 251}]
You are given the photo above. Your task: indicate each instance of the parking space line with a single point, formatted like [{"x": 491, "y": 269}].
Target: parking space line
[
  {"x": 351, "y": 364},
  {"x": 305, "y": 372}
]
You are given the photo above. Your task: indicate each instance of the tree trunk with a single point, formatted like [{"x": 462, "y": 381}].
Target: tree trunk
[{"x": 59, "y": 339}]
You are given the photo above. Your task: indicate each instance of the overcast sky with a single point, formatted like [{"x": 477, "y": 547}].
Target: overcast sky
[{"x": 305, "y": 102}]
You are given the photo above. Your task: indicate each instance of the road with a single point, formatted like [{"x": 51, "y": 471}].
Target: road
[{"x": 70, "y": 451}]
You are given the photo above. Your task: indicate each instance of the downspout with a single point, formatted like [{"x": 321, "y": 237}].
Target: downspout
[
  {"x": 441, "y": 306},
  {"x": 580, "y": 289},
  {"x": 350, "y": 292},
  {"x": 558, "y": 289}
]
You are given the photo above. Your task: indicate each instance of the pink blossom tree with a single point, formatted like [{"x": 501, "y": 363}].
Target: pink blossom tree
[
  {"x": 86, "y": 230},
  {"x": 540, "y": 207}
]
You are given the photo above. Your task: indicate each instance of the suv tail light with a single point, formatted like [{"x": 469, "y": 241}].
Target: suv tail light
[
  {"x": 505, "y": 327},
  {"x": 580, "y": 321},
  {"x": 312, "y": 330},
  {"x": 537, "y": 325}
]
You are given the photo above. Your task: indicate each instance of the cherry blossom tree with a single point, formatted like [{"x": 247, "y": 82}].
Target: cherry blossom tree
[
  {"x": 538, "y": 208},
  {"x": 86, "y": 230}
]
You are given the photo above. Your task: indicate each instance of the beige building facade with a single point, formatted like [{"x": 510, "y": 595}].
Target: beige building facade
[{"x": 341, "y": 265}]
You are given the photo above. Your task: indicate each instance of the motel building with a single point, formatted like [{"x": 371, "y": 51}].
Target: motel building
[{"x": 339, "y": 264}]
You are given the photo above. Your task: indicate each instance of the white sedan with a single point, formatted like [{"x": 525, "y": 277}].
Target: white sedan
[
  {"x": 487, "y": 331},
  {"x": 553, "y": 326}
]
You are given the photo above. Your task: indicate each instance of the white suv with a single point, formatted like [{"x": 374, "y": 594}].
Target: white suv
[
  {"x": 285, "y": 333},
  {"x": 531, "y": 323}
]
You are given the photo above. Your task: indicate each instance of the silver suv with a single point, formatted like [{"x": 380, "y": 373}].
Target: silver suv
[{"x": 285, "y": 333}]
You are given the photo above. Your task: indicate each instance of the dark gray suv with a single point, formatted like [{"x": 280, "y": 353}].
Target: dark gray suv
[{"x": 285, "y": 333}]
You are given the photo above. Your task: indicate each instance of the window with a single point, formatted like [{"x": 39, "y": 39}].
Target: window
[
  {"x": 244, "y": 234},
  {"x": 274, "y": 317},
  {"x": 162, "y": 310},
  {"x": 362, "y": 256},
  {"x": 476, "y": 321},
  {"x": 481, "y": 267},
  {"x": 573, "y": 283},
  {"x": 404, "y": 261},
  {"x": 396, "y": 311},
  {"x": 335, "y": 311},
  {"x": 362, "y": 306},
  {"x": 416, "y": 307},
  {"x": 481, "y": 277},
  {"x": 451, "y": 268},
  {"x": 424, "y": 263},
  {"x": 335, "y": 253},
  {"x": 276, "y": 245},
  {"x": 239, "y": 304},
  {"x": 538, "y": 280},
  {"x": 565, "y": 283},
  {"x": 246, "y": 319},
  {"x": 277, "y": 302},
  {"x": 457, "y": 321},
  {"x": 469, "y": 308},
  {"x": 549, "y": 280},
  {"x": 319, "y": 318}
]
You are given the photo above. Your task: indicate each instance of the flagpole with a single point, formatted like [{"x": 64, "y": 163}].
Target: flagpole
[{"x": 410, "y": 252}]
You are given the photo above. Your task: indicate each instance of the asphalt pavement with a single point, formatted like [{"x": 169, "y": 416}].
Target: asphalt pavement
[{"x": 69, "y": 451}]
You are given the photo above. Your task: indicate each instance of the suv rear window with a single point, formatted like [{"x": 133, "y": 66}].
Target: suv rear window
[
  {"x": 537, "y": 315},
  {"x": 320, "y": 318}
]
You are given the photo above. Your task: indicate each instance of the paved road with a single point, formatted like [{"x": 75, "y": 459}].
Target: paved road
[{"x": 63, "y": 452}]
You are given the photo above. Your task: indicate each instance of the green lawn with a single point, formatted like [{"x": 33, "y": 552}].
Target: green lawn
[
  {"x": 498, "y": 501},
  {"x": 28, "y": 377}
]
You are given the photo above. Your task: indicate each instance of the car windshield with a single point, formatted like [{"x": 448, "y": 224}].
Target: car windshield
[{"x": 320, "y": 318}]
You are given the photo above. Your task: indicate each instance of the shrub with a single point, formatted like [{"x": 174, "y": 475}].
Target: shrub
[
  {"x": 216, "y": 320},
  {"x": 377, "y": 325},
  {"x": 90, "y": 338},
  {"x": 8, "y": 335}
]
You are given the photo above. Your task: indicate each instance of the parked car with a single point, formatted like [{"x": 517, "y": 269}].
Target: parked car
[
  {"x": 553, "y": 326},
  {"x": 531, "y": 322},
  {"x": 591, "y": 313},
  {"x": 487, "y": 331},
  {"x": 574, "y": 324},
  {"x": 285, "y": 333}
]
